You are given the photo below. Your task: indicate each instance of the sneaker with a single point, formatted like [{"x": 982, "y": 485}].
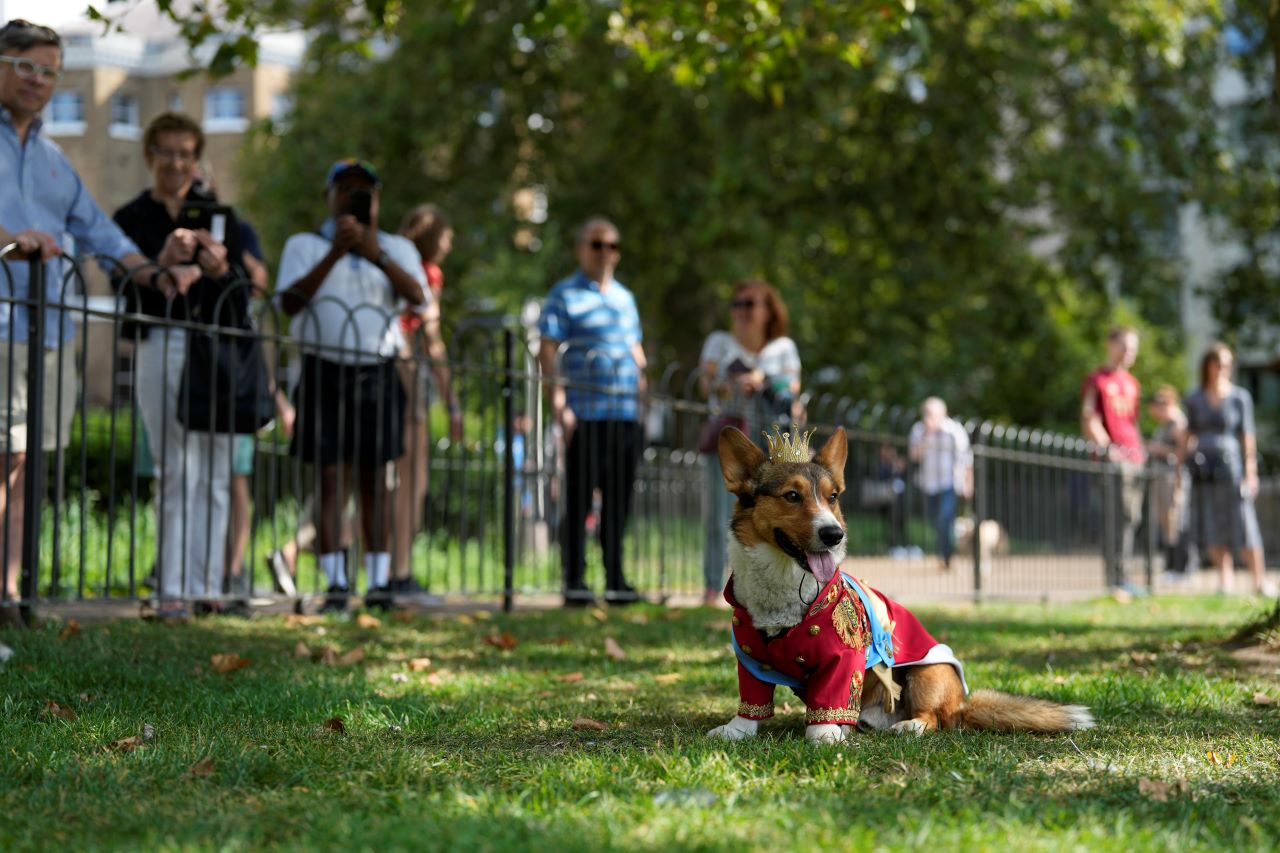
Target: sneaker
[
  {"x": 335, "y": 599},
  {"x": 625, "y": 594},
  {"x": 238, "y": 608},
  {"x": 379, "y": 598},
  {"x": 280, "y": 577},
  {"x": 407, "y": 591},
  {"x": 579, "y": 596}
]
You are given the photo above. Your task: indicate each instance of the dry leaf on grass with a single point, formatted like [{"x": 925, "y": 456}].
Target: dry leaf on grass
[
  {"x": 1263, "y": 699},
  {"x": 587, "y": 723},
  {"x": 569, "y": 677},
  {"x": 352, "y": 657},
  {"x": 599, "y": 615},
  {"x": 203, "y": 767},
  {"x": 403, "y": 616},
  {"x": 334, "y": 725},
  {"x": 69, "y": 630},
  {"x": 613, "y": 650},
  {"x": 556, "y": 641},
  {"x": 438, "y": 677},
  {"x": 464, "y": 619},
  {"x": 505, "y": 641},
  {"x": 364, "y": 620},
  {"x": 673, "y": 615},
  {"x": 328, "y": 656},
  {"x": 125, "y": 744},
  {"x": 1162, "y": 791},
  {"x": 228, "y": 663},
  {"x": 638, "y": 619},
  {"x": 419, "y": 664},
  {"x": 481, "y": 615},
  {"x": 1059, "y": 679},
  {"x": 62, "y": 712},
  {"x": 668, "y": 678},
  {"x": 302, "y": 619},
  {"x": 301, "y": 651},
  {"x": 1217, "y": 758}
]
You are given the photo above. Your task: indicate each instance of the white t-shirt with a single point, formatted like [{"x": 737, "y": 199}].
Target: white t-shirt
[
  {"x": 355, "y": 308},
  {"x": 779, "y": 361},
  {"x": 945, "y": 458}
]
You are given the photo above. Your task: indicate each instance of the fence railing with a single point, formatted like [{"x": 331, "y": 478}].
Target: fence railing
[{"x": 137, "y": 485}]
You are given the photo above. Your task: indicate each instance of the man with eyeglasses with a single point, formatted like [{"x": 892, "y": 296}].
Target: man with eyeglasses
[
  {"x": 593, "y": 366},
  {"x": 42, "y": 199}
]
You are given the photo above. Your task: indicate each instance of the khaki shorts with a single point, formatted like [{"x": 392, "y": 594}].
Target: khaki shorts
[{"x": 57, "y": 424}]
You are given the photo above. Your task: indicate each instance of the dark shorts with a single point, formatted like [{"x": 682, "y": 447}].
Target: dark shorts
[{"x": 348, "y": 413}]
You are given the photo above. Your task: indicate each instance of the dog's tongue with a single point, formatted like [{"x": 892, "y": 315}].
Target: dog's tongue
[{"x": 823, "y": 567}]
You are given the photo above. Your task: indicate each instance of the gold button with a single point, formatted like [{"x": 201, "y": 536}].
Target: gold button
[
  {"x": 746, "y": 649},
  {"x": 736, "y": 620},
  {"x": 813, "y": 630},
  {"x": 800, "y": 659},
  {"x": 766, "y": 667}
]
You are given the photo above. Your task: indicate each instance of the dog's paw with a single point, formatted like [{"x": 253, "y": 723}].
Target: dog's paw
[
  {"x": 824, "y": 733},
  {"x": 739, "y": 728},
  {"x": 908, "y": 727}
]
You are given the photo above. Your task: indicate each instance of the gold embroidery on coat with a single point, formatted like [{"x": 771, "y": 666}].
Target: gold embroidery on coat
[
  {"x": 850, "y": 621},
  {"x": 746, "y": 709},
  {"x": 816, "y": 716}
]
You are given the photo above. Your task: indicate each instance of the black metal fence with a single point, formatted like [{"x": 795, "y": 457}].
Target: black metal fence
[{"x": 479, "y": 516}]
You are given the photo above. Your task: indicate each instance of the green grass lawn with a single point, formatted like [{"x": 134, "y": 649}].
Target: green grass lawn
[{"x": 479, "y": 749}]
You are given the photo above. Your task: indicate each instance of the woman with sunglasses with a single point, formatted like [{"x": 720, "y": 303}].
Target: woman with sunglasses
[{"x": 751, "y": 378}]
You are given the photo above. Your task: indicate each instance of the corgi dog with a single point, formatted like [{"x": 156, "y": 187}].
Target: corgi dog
[{"x": 856, "y": 657}]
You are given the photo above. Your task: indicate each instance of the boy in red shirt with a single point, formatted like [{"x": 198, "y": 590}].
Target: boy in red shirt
[{"x": 1109, "y": 418}]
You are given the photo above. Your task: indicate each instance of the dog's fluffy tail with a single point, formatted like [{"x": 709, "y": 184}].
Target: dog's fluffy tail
[{"x": 990, "y": 710}]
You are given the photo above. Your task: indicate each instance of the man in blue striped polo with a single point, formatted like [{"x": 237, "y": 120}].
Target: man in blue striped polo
[{"x": 593, "y": 364}]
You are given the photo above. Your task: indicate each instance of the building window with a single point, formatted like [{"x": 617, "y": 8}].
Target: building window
[
  {"x": 224, "y": 110},
  {"x": 124, "y": 118},
  {"x": 64, "y": 115},
  {"x": 281, "y": 107},
  {"x": 175, "y": 103}
]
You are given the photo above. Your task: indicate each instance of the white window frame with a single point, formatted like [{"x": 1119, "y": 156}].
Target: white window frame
[
  {"x": 224, "y": 123},
  {"x": 64, "y": 127},
  {"x": 130, "y": 129}
]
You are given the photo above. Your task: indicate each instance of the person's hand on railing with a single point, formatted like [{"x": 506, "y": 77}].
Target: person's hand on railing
[
  {"x": 176, "y": 281},
  {"x": 32, "y": 241},
  {"x": 210, "y": 254}
]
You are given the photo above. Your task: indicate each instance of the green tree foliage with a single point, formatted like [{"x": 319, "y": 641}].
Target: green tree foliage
[{"x": 959, "y": 202}]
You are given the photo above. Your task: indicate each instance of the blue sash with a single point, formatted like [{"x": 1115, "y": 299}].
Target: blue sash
[{"x": 880, "y": 650}]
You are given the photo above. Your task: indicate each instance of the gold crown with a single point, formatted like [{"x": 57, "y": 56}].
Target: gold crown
[{"x": 788, "y": 447}]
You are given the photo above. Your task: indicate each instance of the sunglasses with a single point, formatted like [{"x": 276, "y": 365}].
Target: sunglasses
[
  {"x": 32, "y": 71},
  {"x": 601, "y": 245},
  {"x": 744, "y": 304},
  {"x": 164, "y": 154}
]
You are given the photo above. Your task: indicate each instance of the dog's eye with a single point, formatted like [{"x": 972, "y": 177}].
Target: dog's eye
[
  {"x": 835, "y": 496},
  {"x": 792, "y": 497}
]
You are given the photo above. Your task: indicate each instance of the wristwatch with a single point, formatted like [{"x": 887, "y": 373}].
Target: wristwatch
[{"x": 382, "y": 260}]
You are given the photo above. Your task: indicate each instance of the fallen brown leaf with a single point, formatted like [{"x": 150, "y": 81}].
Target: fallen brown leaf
[
  {"x": 419, "y": 664},
  {"x": 301, "y": 650},
  {"x": 302, "y": 619},
  {"x": 673, "y": 615},
  {"x": 203, "y": 767},
  {"x": 1219, "y": 759},
  {"x": 438, "y": 677},
  {"x": 227, "y": 663},
  {"x": 505, "y": 641},
  {"x": 613, "y": 650},
  {"x": 364, "y": 620},
  {"x": 464, "y": 619},
  {"x": 557, "y": 641},
  {"x": 1263, "y": 699},
  {"x": 125, "y": 744},
  {"x": 402, "y": 616},
  {"x": 1162, "y": 791},
  {"x": 481, "y": 615},
  {"x": 599, "y": 615},
  {"x": 1059, "y": 679},
  {"x": 668, "y": 678},
  {"x": 352, "y": 657},
  {"x": 335, "y": 725},
  {"x": 588, "y": 723},
  {"x": 638, "y": 619},
  {"x": 69, "y": 630},
  {"x": 569, "y": 677},
  {"x": 62, "y": 712},
  {"x": 328, "y": 656}
]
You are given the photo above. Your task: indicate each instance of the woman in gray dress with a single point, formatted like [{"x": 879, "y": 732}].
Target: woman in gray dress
[{"x": 1220, "y": 450}]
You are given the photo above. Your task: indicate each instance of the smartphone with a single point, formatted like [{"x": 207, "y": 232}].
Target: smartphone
[
  {"x": 360, "y": 205},
  {"x": 211, "y": 216}
]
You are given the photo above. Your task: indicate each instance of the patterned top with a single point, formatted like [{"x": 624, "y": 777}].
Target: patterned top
[
  {"x": 40, "y": 190},
  {"x": 1219, "y": 430},
  {"x": 827, "y": 652},
  {"x": 601, "y": 328}
]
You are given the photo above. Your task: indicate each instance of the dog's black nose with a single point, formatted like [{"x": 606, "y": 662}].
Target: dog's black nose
[{"x": 831, "y": 535}]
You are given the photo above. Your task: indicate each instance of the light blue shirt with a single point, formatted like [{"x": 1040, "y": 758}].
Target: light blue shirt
[
  {"x": 600, "y": 327},
  {"x": 39, "y": 190}
]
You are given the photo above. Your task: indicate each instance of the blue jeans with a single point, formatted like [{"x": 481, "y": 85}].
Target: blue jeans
[{"x": 941, "y": 509}]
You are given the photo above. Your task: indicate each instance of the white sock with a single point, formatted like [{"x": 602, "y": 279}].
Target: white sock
[
  {"x": 334, "y": 567},
  {"x": 377, "y": 567}
]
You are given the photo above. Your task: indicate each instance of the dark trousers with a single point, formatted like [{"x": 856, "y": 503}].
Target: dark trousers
[
  {"x": 941, "y": 509},
  {"x": 603, "y": 455}
]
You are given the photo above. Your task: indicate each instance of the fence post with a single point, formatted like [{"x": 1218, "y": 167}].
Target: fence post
[
  {"x": 508, "y": 469},
  {"x": 34, "y": 491},
  {"x": 978, "y": 501}
]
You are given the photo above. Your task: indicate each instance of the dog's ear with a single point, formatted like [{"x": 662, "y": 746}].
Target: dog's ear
[
  {"x": 739, "y": 460},
  {"x": 833, "y": 455}
]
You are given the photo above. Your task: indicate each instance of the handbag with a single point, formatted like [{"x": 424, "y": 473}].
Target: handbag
[
  {"x": 709, "y": 435},
  {"x": 225, "y": 387}
]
